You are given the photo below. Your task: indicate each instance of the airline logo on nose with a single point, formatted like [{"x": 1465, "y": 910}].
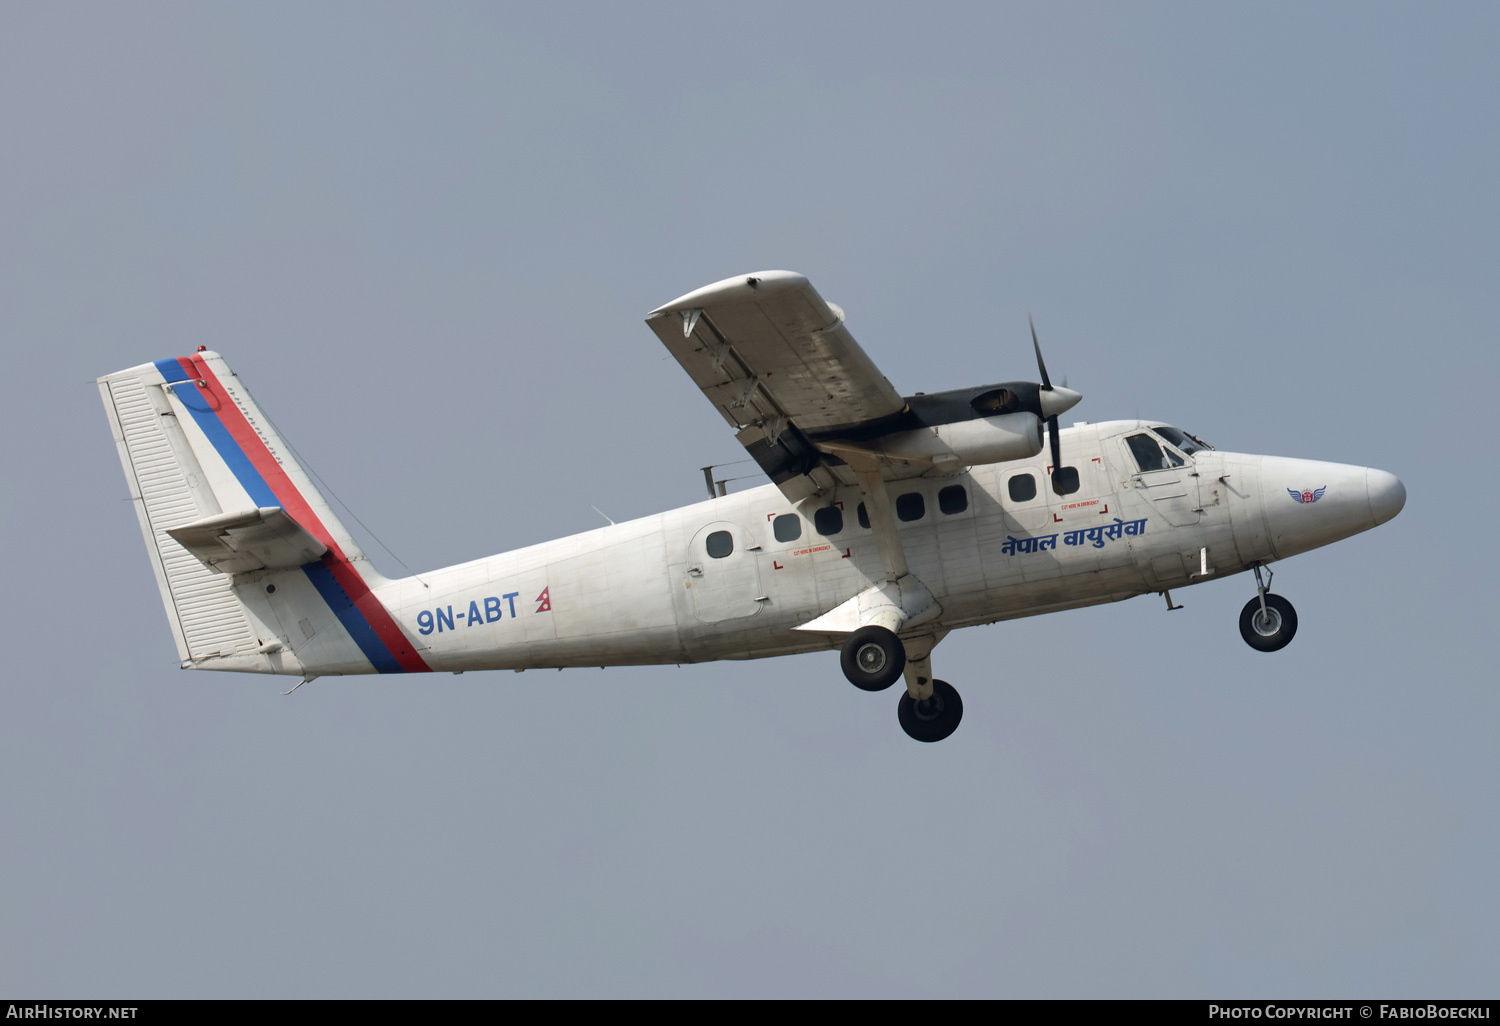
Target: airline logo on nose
[{"x": 1307, "y": 496}]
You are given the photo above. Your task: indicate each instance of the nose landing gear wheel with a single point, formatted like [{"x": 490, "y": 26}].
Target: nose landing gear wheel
[
  {"x": 873, "y": 658},
  {"x": 1269, "y": 631},
  {"x": 933, "y": 719}
]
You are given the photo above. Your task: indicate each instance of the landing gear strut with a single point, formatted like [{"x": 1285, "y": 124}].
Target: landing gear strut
[
  {"x": 874, "y": 657},
  {"x": 1268, "y": 622}
]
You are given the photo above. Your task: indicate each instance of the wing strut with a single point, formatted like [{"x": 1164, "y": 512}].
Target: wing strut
[
  {"x": 899, "y": 602},
  {"x": 882, "y": 520}
]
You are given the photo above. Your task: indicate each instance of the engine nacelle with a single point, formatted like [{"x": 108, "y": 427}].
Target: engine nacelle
[{"x": 1010, "y": 436}]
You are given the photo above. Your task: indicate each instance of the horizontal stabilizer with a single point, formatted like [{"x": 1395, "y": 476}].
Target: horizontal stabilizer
[{"x": 253, "y": 539}]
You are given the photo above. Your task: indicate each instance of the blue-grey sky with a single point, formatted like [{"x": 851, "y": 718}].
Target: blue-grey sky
[{"x": 426, "y": 237}]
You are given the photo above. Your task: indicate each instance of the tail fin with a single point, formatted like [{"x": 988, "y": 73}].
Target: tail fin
[{"x": 255, "y": 571}]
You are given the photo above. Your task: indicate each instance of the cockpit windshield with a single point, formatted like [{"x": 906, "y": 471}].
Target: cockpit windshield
[{"x": 1184, "y": 441}]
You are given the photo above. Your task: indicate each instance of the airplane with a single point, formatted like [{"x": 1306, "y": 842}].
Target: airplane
[{"x": 888, "y": 522}]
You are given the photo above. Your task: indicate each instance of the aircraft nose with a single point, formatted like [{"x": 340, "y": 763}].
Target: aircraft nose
[{"x": 1387, "y": 495}]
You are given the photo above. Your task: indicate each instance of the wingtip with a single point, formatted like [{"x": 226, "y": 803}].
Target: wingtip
[{"x": 739, "y": 288}]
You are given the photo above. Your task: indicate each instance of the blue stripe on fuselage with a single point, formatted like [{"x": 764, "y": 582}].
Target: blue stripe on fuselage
[{"x": 353, "y": 620}]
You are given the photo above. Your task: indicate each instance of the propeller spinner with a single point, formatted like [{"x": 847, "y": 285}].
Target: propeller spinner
[{"x": 1055, "y": 401}]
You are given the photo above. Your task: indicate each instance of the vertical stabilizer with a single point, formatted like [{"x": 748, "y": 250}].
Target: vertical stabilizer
[{"x": 229, "y": 517}]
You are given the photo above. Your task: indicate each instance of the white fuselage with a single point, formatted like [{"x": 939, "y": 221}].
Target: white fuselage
[{"x": 648, "y": 591}]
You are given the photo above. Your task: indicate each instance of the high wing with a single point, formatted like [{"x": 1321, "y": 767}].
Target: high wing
[{"x": 777, "y": 362}]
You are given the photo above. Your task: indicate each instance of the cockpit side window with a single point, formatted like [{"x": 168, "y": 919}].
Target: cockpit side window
[{"x": 1148, "y": 453}]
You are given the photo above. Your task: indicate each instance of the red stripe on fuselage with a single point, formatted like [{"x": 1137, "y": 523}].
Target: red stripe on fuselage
[{"x": 297, "y": 507}]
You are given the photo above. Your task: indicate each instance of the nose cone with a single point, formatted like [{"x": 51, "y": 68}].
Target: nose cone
[
  {"x": 1308, "y": 504},
  {"x": 1387, "y": 495},
  {"x": 1055, "y": 400}
]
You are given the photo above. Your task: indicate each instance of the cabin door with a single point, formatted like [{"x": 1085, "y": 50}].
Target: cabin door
[{"x": 723, "y": 575}]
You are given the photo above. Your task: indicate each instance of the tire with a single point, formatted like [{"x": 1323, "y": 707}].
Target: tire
[
  {"x": 873, "y": 658},
  {"x": 1273, "y": 636},
  {"x": 934, "y": 719}
]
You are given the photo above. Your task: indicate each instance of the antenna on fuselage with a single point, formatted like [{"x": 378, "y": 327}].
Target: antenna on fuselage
[{"x": 717, "y": 489}]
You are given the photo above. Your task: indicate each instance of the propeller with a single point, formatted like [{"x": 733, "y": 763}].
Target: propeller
[{"x": 1055, "y": 401}]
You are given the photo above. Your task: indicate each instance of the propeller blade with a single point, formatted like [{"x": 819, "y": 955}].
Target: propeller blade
[
  {"x": 1056, "y": 440},
  {"x": 1041, "y": 366},
  {"x": 1054, "y": 401}
]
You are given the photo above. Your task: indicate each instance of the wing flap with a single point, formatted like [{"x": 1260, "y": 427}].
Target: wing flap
[{"x": 256, "y": 539}]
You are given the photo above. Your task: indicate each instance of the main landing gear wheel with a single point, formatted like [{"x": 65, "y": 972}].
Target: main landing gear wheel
[
  {"x": 933, "y": 719},
  {"x": 873, "y": 658},
  {"x": 1271, "y": 630}
]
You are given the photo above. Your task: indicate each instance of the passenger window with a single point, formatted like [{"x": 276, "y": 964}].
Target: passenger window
[
  {"x": 911, "y": 506},
  {"x": 864, "y": 518},
  {"x": 1065, "y": 480},
  {"x": 787, "y": 527},
  {"x": 829, "y": 520},
  {"x": 1022, "y": 488},
  {"x": 1147, "y": 453},
  {"x": 953, "y": 499},
  {"x": 719, "y": 544}
]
